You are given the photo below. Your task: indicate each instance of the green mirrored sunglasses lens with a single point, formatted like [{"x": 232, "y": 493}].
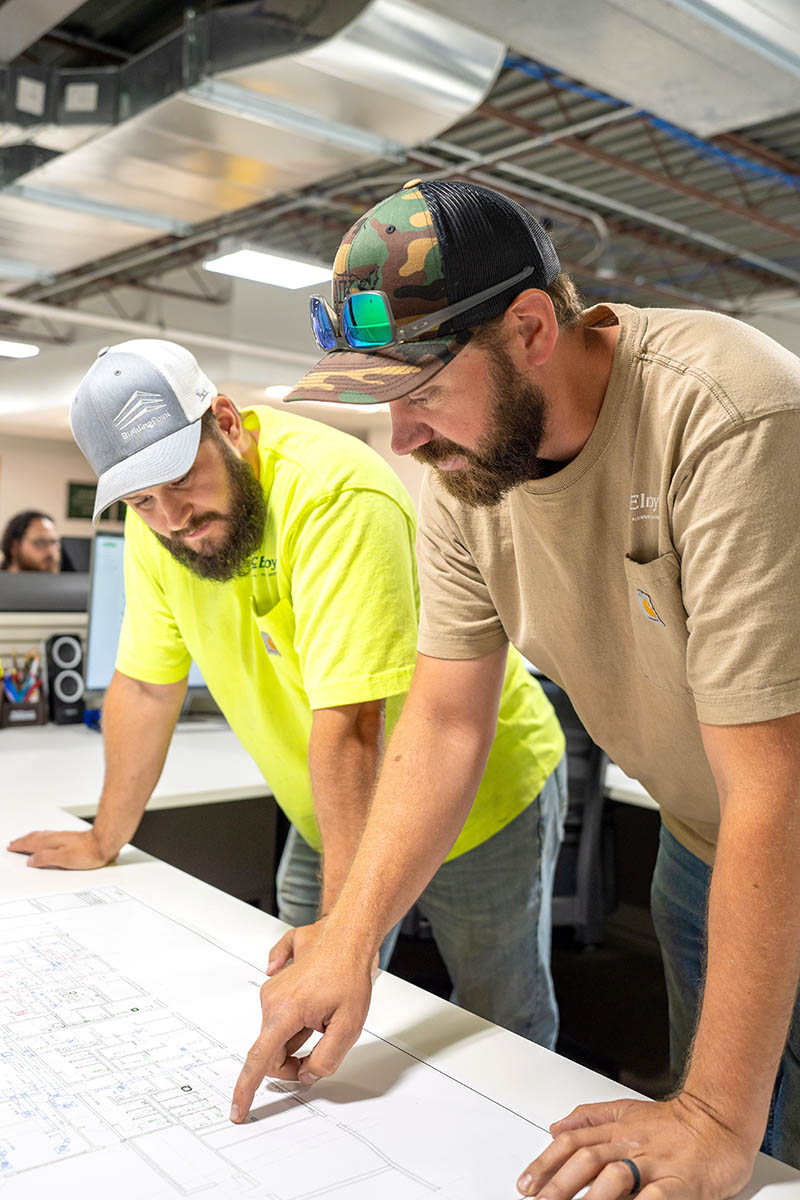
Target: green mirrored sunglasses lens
[{"x": 366, "y": 321}]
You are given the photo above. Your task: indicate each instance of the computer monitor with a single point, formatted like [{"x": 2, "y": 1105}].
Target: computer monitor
[
  {"x": 106, "y": 608},
  {"x": 76, "y": 554},
  {"x": 39, "y": 591}
]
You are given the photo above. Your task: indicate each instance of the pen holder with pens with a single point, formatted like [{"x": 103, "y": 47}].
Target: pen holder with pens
[
  {"x": 22, "y": 712},
  {"x": 21, "y": 694}
]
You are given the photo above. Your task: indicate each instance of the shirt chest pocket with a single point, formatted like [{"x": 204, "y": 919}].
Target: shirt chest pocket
[
  {"x": 658, "y": 621},
  {"x": 276, "y": 634}
]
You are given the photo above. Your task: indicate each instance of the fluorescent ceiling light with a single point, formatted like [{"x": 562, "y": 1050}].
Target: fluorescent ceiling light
[
  {"x": 269, "y": 268},
  {"x": 18, "y": 349}
]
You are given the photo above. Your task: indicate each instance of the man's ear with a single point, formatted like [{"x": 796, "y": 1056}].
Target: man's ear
[
  {"x": 532, "y": 319},
  {"x": 228, "y": 419}
]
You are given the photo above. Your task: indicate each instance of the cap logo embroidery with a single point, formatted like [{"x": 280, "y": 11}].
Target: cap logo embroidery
[
  {"x": 648, "y": 608},
  {"x": 140, "y": 404}
]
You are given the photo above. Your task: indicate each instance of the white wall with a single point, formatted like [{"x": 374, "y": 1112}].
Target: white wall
[{"x": 34, "y": 473}]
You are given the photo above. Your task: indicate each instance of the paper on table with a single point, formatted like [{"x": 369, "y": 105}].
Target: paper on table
[{"x": 123, "y": 1032}]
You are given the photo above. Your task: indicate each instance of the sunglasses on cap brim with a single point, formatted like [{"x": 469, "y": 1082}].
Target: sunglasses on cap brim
[{"x": 368, "y": 323}]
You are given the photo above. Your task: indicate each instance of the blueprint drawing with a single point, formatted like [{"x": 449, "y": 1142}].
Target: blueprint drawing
[{"x": 122, "y": 1033}]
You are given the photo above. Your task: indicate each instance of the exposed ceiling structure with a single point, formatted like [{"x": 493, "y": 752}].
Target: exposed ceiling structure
[{"x": 154, "y": 135}]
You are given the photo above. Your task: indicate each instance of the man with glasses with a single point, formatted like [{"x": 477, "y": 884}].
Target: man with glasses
[
  {"x": 612, "y": 491},
  {"x": 30, "y": 543},
  {"x": 278, "y": 554}
]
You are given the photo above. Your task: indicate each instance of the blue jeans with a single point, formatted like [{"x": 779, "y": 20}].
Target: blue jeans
[
  {"x": 489, "y": 911},
  {"x": 678, "y": 902}
]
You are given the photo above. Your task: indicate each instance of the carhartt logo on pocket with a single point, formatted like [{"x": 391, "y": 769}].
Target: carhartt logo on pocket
[
  {"x": 269, "y": 645},
  {"x": 648, "y": 608}
]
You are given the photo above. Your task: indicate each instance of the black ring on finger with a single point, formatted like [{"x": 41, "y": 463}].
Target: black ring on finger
[{"x": 634, "y": 1170}]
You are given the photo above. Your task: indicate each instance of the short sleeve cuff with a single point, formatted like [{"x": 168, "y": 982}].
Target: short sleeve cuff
[
  {"x": 333, "y": 693},
  {"x": 149, "y": 674},
  {"x": 440, "y": 645},
  {"x": 767, "y": 704}
]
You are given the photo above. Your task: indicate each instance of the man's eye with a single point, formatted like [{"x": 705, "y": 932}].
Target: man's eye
[
  {"x": 140, "y": 503},
  {"x": 183, "y": 479}
]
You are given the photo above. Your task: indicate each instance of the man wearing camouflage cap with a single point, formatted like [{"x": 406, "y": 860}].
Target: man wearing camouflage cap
[{"x": 608, "y": 491}]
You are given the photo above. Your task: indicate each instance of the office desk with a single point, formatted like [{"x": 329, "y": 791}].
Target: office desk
[
  {"x": 211, "y": 814},
  {"x": 205, "y": 764},
  {"x": 539, "y": 1085},
  {"x": 61, "y": 776},
  {"x": 63, "y": 764}
]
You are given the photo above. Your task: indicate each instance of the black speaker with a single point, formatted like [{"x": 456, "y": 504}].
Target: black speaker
[{"x": 65, "y": 678}]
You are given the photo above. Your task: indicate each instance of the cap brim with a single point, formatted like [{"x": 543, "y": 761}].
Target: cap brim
[
  {"x": 351, "y": 377},
  {"x": 166, "y": 459}
]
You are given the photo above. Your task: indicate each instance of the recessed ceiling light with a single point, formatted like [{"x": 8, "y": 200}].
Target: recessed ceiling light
[
  {"x": 18, "y": 349},
  {"x": 269, "y": 268}
]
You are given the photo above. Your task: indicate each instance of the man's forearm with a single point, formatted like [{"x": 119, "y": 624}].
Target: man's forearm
[
  {"x": 344, "y": 755},
  {"x": 138, "y": 722},
  {"x": 753, "y": 964},
  {"x": 427, "y": 785}
]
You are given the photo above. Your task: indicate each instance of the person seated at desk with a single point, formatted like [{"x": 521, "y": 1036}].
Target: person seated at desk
[
  {"x": 30, "y": 543},
  {"x": 279, "y": 555}
]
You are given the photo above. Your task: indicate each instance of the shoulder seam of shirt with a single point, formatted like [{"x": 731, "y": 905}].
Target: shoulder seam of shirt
[
  {"x": 682, "y": 368},
  {"x": 722, "y": 435}
]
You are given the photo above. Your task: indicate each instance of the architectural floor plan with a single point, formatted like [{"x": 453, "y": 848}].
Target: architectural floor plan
[{"x": 121, "y": 1035}]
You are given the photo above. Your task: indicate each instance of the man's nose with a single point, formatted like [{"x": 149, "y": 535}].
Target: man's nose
[
  {"x": 176, "y": 510},
  {"x": 408, "y": 433}
]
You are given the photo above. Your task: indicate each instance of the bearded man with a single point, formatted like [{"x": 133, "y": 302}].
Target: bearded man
[
  {"x": 613, "y": 492},
  {"x": 279, "y": 555},
  {"x": 30, "y": 542}
]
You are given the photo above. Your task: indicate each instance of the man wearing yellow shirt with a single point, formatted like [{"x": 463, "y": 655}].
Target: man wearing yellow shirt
[{"x": 279, "y": 555}]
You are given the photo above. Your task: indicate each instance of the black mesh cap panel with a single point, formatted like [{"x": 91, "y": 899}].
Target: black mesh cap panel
[{"x": 485, "y": 237}]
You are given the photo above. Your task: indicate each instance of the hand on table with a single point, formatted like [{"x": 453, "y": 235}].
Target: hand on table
[
  {"x": 681, "y": 1149},
  {"x": 293, "y": 945},
  {"x": 325, "y": 993},
  {"x": 74, "y": 851},
  {"x": 297, "y": 942}
]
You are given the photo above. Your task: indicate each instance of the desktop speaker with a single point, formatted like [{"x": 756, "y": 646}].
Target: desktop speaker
[{"x": 65, "y": 678}]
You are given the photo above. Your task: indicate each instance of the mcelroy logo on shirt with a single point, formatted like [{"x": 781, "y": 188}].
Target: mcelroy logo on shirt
[{"x": 260, "y": 564}]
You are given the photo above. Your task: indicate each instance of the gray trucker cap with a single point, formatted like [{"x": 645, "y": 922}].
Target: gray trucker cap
[{"x": 136, "y": 416}]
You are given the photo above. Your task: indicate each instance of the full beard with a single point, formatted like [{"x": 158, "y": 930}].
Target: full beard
[
  {"x": 243, "y": 524},
  {"x": 509, "y": 454}
]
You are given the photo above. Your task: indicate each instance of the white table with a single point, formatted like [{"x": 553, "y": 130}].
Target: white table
[
  {"x": 205, "y": 764},
  {"x": 47, "y": 780},
  {"x": 63, "y": 765},
  {"x": 619, "y": 786}
]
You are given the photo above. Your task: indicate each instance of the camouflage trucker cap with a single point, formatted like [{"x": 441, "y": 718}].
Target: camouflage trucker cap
[{"x": 427, "y": 246}]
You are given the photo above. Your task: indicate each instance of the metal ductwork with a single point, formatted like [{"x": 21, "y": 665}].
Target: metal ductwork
[
  {"x": 238, "y": 105},
  {"x": 705, "y": 65}
]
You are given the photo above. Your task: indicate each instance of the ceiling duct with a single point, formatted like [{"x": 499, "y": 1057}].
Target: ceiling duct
[
  {"x": 238, "y": 105},
  {"x": 705, "y": 65}
]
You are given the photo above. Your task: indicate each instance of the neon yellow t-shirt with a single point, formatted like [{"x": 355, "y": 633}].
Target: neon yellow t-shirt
[{"x": 326, "y": 616}]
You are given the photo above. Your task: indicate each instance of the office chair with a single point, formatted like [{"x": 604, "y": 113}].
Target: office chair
[{"x": 584, "y": 890}]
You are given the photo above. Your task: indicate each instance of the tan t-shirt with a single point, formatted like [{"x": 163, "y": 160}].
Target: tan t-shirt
[{"x": 656, "y": 577}]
